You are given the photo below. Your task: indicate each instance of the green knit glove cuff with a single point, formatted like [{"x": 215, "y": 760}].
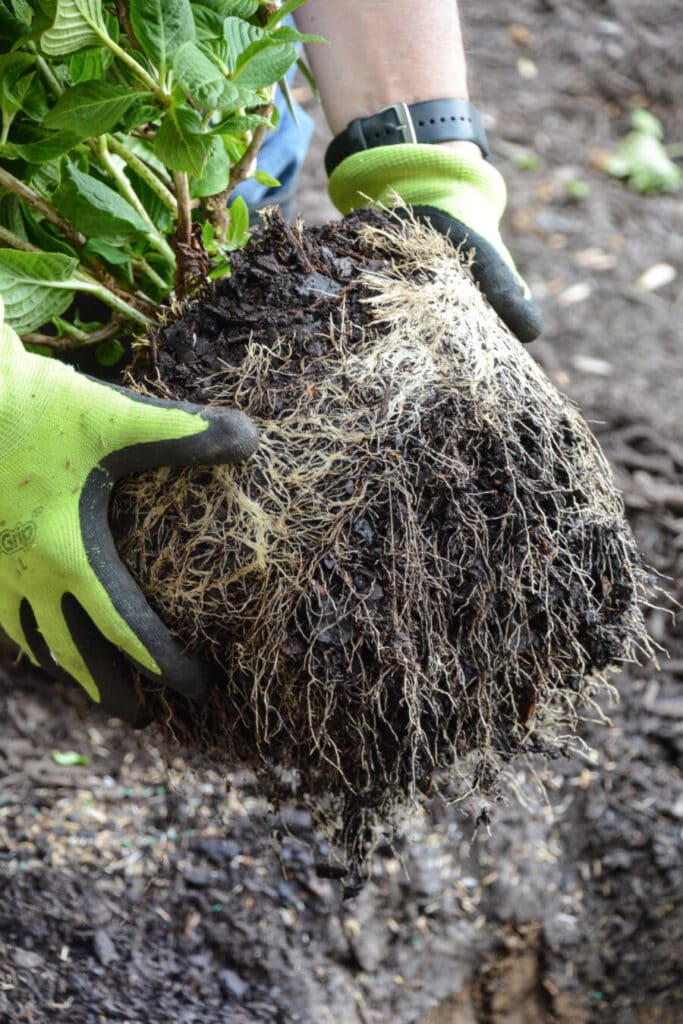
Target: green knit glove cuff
[{"x": 469, "y": 189}]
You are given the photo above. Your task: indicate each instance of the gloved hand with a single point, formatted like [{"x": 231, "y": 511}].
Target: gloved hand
[
  {"x": 463, "y": 197},
  {"x": 65, "y": 597}
]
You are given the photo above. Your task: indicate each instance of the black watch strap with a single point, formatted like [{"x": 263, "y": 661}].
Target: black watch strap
[{"x": 432, "y": 121}]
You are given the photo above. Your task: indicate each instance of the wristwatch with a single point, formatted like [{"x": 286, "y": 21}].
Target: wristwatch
[{"x": 431, "y": 121}]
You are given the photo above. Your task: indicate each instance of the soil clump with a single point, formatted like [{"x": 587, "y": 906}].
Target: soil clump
[{"x": 424, "y": 570}]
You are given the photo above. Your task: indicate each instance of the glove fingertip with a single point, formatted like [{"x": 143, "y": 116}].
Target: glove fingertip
[
  {"x": 232, "y": 436},
  {"x": 522, "y": 316}
]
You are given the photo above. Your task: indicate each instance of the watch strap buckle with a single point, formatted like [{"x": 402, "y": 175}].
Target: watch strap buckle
[{"x": 404, "y": 120}]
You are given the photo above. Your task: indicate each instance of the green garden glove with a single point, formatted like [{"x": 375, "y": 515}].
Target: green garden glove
[
  {"x": 65, "y": 597},
  {"x": 463, "y": 198}
]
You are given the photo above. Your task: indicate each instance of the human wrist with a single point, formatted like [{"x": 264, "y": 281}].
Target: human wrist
[{"x": 468, "y": 150}]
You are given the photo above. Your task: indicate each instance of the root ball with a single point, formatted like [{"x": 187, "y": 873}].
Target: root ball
[{"x": 425, "y": 568}]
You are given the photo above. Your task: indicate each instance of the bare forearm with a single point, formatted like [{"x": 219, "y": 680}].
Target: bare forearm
[{"x": 384, "y": 52}]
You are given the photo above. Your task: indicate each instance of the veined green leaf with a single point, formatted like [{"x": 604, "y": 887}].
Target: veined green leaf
[
  {"x": 14, "y": 82},
  {"x": 96, "y": 209},
  {"x": 264, "y": 63},
  {"x": 216, "y": 173},
  {"x": 180, "y": 142},
  {"x": 35, "y": 287},
  {"x": 12, "y": 28},
  {"x": 162, "y": 26},
  {"x": 286, "y": 34},
  {"x": 241, "y": 8},
  {"x": 34, "y": 101},
  {"x": 239, "y": 35},
  {"x": 43, "y": 235},
  {"x": 238, "y": 123},
  {"x": 208, "y": 24},
  {"x": 93, "y": 107},
  {"x": 90, "y": 63},
  {"x": 22, "y": 10},
  {"x": 44, "y": 148},
  {"x": 201, "y": 80},
  {"x": 77, "y": 24},
  {"x": 111, "y": 253}
]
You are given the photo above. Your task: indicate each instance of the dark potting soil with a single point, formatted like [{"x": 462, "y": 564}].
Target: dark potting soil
[
  {"x": 344, "y": 708},
  {"x": 284, "y": 280}
]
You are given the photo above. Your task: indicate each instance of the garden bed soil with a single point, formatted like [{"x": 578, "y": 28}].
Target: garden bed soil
[{"x": 133, "y": 890}]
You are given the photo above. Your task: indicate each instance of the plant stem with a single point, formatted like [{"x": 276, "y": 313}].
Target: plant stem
[
  {"x": 106, "y": 281},
  {"x": 15, "y": 242},
  {"x": 46, "y": 72},
  {"x": 85, "y": 283},
  {"x": 144, "y": 171},
  {"x": 217, "y": 206},
  {"x": 162, "y": 98},
  {"x": 36, "y": 201},
  {"x": 154, "y": 237},
  {"x": 182, "y": 191},
  {"x": 241, "y": 169},
  {"x": 187, "y": 251},
  {"x": 142, "y": 264},
  {"x": 74, "y": 338}
]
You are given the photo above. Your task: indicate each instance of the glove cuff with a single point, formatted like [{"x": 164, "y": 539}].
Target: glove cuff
[{"x": 467, "y": 188}]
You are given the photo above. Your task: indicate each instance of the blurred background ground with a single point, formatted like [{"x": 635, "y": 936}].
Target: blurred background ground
[{"x": 132, "y": 890}]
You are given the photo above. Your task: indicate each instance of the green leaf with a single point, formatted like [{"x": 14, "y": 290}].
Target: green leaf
[
  {"x": 91, "y": 63},
  {"x": 46, "y": 147},
  {"x": 286, "y": 34},
  {"x": 216, "y": 173},
  {"x": 645, "y": 122},
  {"x": 77, "y": 24},
  {"x": 161, "y": 216},
  {"x": 43, "y": 235},
  {"x": 14, "y": 83},
  {"x": 22, "y": 10},
  {"x": 109, "y": 352},
  {"x": 266, "y": 179},
  {"x": 264, "y": 63},
  {"x": 162, "y": 26},
  {"x": 208, "y": 24},
  {"x": 138, "y": 113},
  {"x": 238, "y": 123},
  {"x": 242, "y": 8},
  {"x": 201, "y": 80},
  {"x": 575, "y": 188},
  {"x": 642, "y": 159},
  {"x": 110, "y": 253},
  {"x": 180, "y": 141},
  {"x": 33, "y": 97},
  {"x": 70, "y": 758},
  {"x": 308, "y": 75},
  {"x": 35, "y": 287},
  {"x": 526, "y": 159},
  {"x": 12, "y": 29},
  {"x": 96, "y": 209},
  {"x": 94, "y": 107},
  {"x": 239, "y": 35},
  {"x": 238, "y": 228},
  {"x": 282, "y": 12}
]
